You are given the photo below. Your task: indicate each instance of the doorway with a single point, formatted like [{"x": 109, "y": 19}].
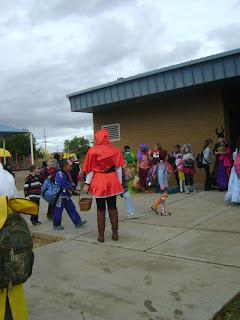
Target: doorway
[
  {"x": 234, "y": 125},
  {"x": 231, "y": 99}
]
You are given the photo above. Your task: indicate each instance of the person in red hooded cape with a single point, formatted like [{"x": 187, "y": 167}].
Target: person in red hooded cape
[{"x": 103, "y": 170}]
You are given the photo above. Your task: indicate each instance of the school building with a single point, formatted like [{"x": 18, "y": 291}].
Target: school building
[{"x": 184, "y": 103}]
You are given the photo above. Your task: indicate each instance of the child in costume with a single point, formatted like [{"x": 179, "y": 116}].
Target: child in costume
[
  {"x": 48, "y": 172},
  {"x": 181, "y": 175},
  {"x": 80, "y": 180},
  {"x": 163, "y": 182},
  {"x": 233, "y": 193},
  {"x": 32, "y": 191},
  {"x": 126, "y": 195},
  {"x": 155, "y": 154},
  {"x": 12, "y": 300},
  {"x": 57, "y": 161},
  {"x": 223, "y": 162},
  {"x": 129, "y": 156},
  {"x": 188, "y": 161},
  {"x": 131, "y": 161},
  {"x": 152, "y": 179},
  {"x": 207, "y": 155},
  {"x": 103, "y": 170},
  {"x": 7, "y": 183},
  {"x": 143, "y": 166},
  {"x": 130, "y": 174},
  {"x": 64, "y": 180},
  {"x": 172, "y": 160}
]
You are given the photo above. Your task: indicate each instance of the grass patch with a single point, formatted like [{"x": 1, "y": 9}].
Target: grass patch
[
  {"x": 231, "y": 311},
  {"x": 42, "y": 239}
]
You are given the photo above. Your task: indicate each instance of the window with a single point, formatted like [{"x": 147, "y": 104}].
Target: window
[{"x": 113, "y": 130}]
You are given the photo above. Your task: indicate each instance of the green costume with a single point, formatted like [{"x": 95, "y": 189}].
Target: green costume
[{"x": 131, "y": 161}]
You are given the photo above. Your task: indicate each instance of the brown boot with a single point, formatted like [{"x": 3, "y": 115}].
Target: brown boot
[
  {"x": 101, "y": 225},
  {"x": 113, "y": 215}
]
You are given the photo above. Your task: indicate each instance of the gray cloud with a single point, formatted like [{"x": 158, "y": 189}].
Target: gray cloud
[
  {"x": 35, "y": 98},
  {"x": 60, "y": 9},
  {"x": 51, "y": 48},
  {"x": 182, "y": 51},
  {"x": 227, "y": 36}
]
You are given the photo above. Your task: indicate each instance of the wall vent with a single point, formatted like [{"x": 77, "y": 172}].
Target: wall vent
[{"x": 113, "y": 130}]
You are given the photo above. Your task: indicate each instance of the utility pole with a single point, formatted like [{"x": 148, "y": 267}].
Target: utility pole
[
  {"x": 31, "y": 145},
  {"x": 45, "y": 139},
  {"x": 4, "y": 152}
]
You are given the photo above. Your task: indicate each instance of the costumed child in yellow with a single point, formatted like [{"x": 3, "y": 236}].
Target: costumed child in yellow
[{"x": 13, "y": 262}]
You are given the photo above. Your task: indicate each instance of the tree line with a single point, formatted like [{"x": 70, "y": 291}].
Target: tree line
[{"x": 20, "y": 145}]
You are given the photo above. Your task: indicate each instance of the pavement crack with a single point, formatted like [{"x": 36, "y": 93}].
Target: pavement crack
[
  {"x": 197, "y": 260},
  {"x": 83, "y": 234},
  {"x": 210, "y": 218},
  {"x": 216, "y": 230},
  {"x": 164, "y": 241},
  {"x": 158, "y": 254}
]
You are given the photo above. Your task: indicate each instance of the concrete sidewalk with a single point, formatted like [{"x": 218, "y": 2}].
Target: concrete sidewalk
[{"x": 183, "y": 266}]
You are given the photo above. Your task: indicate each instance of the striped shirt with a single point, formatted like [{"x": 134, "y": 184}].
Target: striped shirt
[{"x": 32, "y": 187}]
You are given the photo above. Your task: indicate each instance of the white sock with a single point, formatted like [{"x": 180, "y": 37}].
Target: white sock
[
  {"x": 181, "y": 185},
  {"x": 163, "y": 207}
]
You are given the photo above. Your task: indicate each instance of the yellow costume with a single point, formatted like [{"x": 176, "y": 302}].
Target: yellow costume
[{"x": 16, "y": 294}]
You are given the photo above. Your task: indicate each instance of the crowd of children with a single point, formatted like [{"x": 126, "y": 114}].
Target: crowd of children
[
  {"x": 151, "y": 168},
  {"x": 110, "y": 173},
  {"x": 64, "y": 173},
  {"x": 146, "y": 171}
]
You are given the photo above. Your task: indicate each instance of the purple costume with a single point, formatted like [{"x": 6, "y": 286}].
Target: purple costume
[{"x": 65, "y": 202}]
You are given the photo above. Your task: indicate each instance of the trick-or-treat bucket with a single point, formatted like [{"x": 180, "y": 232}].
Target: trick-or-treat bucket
[{"x": 85, "y": 202}]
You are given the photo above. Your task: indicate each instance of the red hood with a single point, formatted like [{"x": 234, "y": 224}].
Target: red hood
[
  {"x": 103, "y": 155},
  {"x": 102, "y": 137}
]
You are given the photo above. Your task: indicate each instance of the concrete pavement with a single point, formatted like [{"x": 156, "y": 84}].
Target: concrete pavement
[{"x": 183, "y": 266}]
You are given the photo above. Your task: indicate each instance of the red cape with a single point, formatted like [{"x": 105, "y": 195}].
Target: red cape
[
  {"x": 103, "y": 155},
  {"x": 99, "y": 159}
]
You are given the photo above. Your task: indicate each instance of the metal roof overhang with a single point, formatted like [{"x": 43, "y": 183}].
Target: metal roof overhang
[
  {"x": 216, "y": 68},
  {"x": 6, "y": 131}
]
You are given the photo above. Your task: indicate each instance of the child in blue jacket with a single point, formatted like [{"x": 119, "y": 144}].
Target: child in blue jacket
[{"x": 64, "y": 180}]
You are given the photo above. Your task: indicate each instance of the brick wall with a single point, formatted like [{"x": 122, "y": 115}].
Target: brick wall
[
  {"x": 180, "y": 118},
  {"x": 187, "y": 117}
]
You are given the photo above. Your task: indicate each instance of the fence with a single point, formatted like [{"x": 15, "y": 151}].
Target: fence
[{"x": 23, "y": 162}]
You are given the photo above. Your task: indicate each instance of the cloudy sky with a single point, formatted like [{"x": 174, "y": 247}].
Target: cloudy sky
[{"x": 53, "y": 47}]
